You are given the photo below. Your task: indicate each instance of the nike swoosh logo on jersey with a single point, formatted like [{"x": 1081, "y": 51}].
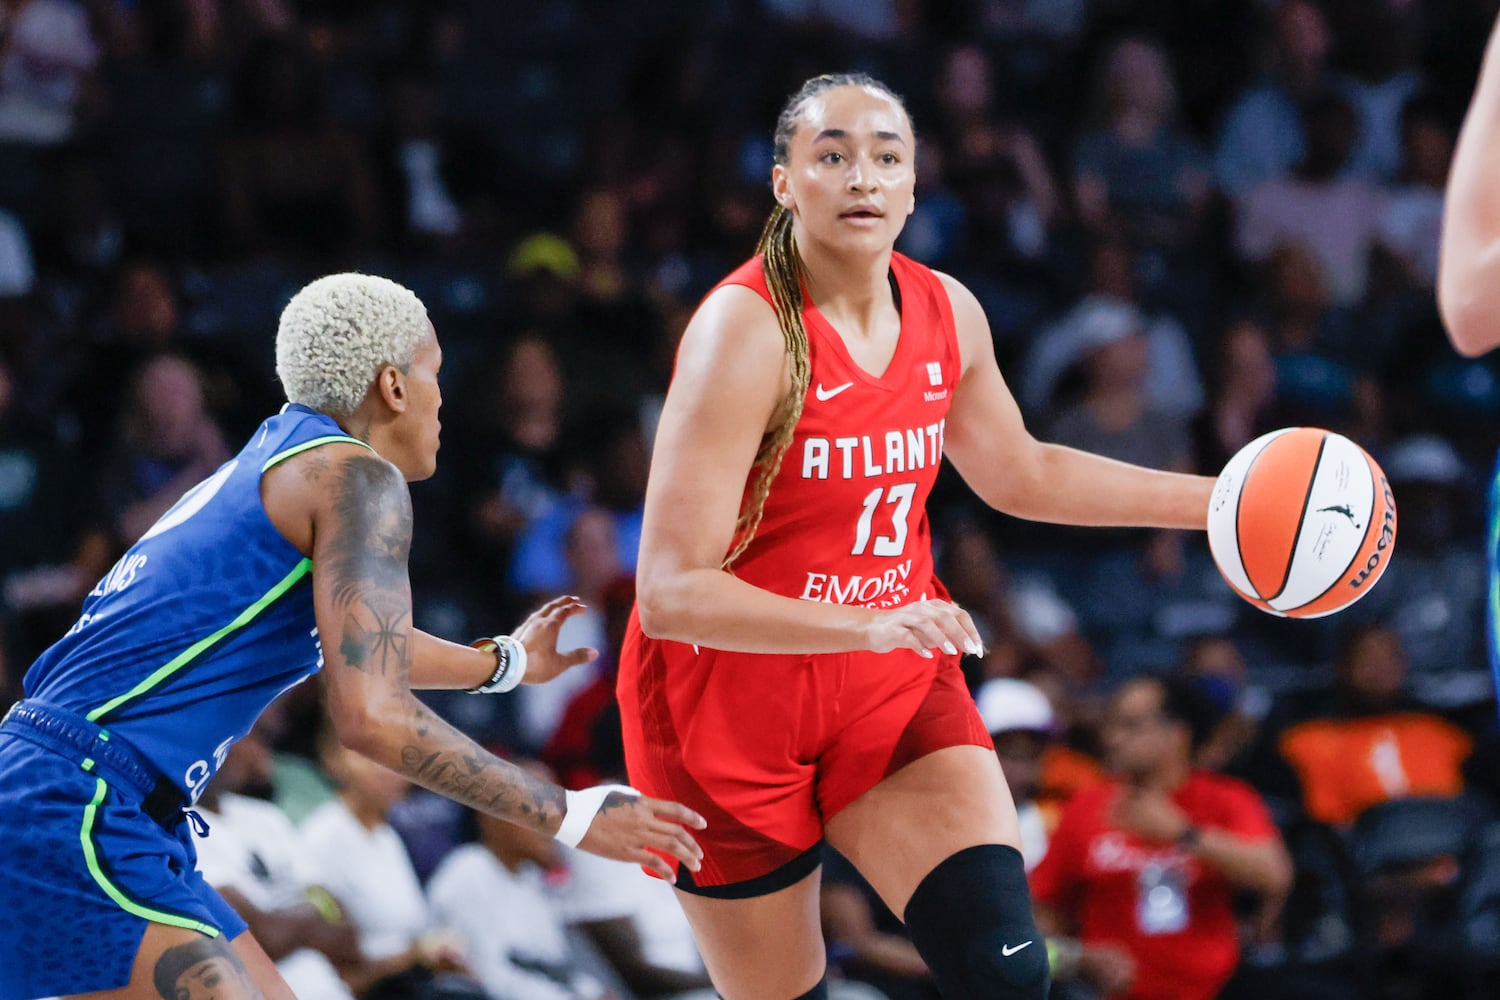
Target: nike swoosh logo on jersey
[
  {"x": 1008, "y": 950},
  {"x": 826, "y": 394}
]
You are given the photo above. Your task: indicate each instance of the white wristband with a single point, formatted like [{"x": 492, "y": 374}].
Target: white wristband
[
  {"x": 510, "y": 664},
  {"x": 517, "y": 668},
  {"x": 583, "y": 806}
]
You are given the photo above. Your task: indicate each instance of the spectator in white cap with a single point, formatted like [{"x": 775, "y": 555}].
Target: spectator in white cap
[
  {"x": 1020, "y": 721},
  {"x": 1115, "y": 414},
  {"x": 1118, "y": 416},
  {"x": 1108, "y": 312}
]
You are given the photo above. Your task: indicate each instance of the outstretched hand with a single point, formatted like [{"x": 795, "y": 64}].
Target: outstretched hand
[
  {"x": 538, "y": 633},
  {"x": 640, "y": 830}
]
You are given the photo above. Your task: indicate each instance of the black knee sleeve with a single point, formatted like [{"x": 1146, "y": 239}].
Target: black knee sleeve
[{"x": 971, "y": 920}]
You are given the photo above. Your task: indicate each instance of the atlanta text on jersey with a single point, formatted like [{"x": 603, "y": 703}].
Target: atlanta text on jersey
[{"x": 869, "y": 455}]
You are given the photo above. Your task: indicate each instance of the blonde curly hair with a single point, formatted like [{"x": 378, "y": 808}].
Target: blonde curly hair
[{"x": 338, "y": 332}]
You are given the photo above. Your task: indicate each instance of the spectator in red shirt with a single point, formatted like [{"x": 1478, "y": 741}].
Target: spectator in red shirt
[{"x": 1148, "y": 862}]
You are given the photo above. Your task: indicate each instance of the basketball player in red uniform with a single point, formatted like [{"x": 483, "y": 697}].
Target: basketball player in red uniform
[{"x": 792, "y": 671}]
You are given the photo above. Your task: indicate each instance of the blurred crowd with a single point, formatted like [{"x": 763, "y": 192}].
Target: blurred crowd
[{"x": 1188, "y": 222}]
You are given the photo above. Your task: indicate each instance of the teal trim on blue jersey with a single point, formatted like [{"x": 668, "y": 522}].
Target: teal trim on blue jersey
[
  {"x": 124, "y": 902},
  {"x": 1492, "y": 556},
  {"x": 1495, "y": 609},
  {"x": 282, "y": 456},
  {"x": 188, "y": 655},
  {"x": 1495, "y": 514}
]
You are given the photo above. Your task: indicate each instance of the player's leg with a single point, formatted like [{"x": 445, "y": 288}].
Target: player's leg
[
  {"x": 764, "y": 947},
  {"x": 938, "y": 840},
  {"x": 693, "y": 723},
  {"x": 173, "y": 963}
]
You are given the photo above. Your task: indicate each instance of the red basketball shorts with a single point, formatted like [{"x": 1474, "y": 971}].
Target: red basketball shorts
[{"x": 767, "y": 747}]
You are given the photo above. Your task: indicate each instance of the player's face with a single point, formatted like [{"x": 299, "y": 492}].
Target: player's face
[
  {"x": 850, "y": 176},
  {"x": 213, "y": 979},
  {"x": 424, "y": 399}
]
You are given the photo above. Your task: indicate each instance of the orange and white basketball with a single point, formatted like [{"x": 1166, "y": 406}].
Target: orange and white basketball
[{"x": 1302, "y": 522}]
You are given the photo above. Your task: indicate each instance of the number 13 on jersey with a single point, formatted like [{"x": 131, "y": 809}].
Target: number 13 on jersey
[{"x": 893, "y": 544}]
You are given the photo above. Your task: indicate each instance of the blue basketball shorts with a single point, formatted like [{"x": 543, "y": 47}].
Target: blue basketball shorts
[{"x": 83, "y": 868}]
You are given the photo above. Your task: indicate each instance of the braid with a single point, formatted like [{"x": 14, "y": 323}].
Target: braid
[
  {"x": 782, "y": 266},
  {"x": 783, "y": 271}
]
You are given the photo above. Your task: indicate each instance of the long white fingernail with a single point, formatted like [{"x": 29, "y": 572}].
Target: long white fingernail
[
  {"x": 973, "y": 648},
  {"x": 925, "y": 653},
  {"x": 950, "y": 649}
]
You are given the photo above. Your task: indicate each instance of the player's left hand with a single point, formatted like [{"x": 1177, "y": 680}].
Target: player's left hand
[
  {"x": 924, "y": 626},
  {"x": 538, "y": 633},
  {"x": 631, "y": 827},
  {"x": 1149, "y": 813}
]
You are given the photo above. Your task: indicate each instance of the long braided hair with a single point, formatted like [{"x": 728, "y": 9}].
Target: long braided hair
[{"x": 783, "y": 269}]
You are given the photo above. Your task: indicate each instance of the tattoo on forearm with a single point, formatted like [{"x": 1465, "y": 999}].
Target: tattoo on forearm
[
  {"x": 486, "y": 783},
  {"x": 204, "y": 967}
]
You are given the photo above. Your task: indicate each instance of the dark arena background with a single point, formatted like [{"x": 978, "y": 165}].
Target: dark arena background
[{"x": 1188, "y": 222}]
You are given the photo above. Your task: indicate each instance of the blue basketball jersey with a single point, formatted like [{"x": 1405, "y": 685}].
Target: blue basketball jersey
[
  {"x": 1492, "y": 550},
  {"x": 201, "y": 624}
]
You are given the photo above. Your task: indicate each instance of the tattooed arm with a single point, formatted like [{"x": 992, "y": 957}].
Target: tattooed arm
[
  {"x": 361, "y": 537},
  {"x": 291, "y": 490}
]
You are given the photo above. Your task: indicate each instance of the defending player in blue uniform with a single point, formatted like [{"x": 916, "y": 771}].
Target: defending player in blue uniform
[{"x": 292, "y": 553}]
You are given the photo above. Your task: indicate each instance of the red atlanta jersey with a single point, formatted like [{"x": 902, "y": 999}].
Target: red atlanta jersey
[{"x": 846, "y": 518}]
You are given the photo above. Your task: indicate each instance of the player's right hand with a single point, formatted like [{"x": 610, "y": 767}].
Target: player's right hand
[
  {"x": 925, "y": 626},
  {"x": 539, "y": 632},
  {"x": 627, "y": 825}
]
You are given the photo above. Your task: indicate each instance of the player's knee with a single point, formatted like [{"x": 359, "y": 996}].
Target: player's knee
[{"x": 971, "y": 919}]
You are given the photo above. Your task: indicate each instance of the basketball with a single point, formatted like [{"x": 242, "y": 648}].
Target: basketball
[{"x": 1302, "y": 522}]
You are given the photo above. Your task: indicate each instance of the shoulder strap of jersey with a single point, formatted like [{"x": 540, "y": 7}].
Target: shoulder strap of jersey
[
  {"x": 751, "y": 274},
  {"x": 915, "y": 275},
  {"x": 297, "y": 449}
]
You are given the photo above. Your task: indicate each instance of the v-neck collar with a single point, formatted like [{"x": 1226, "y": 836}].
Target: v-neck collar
[{"x": 889, "y": 378}]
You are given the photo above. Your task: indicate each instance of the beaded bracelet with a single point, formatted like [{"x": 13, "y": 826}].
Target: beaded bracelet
[{"x": 510, "y": 664}]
